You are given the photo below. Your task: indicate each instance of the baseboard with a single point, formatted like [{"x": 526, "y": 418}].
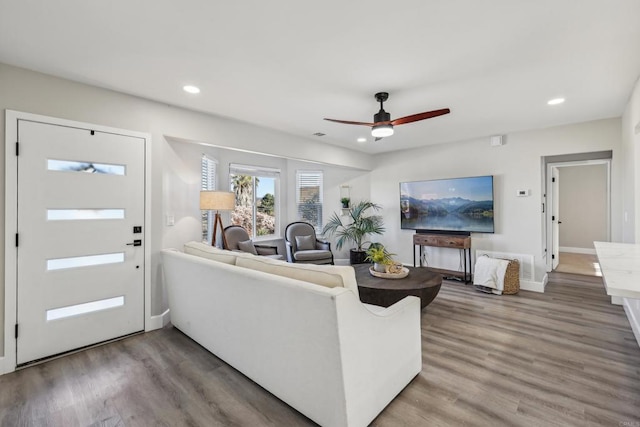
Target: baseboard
[
  {"x": 4, "y": 368},
  {"x": 158, "y": 322},
  {"x": 342, "y": 261},
  {"x": 587, "y": 251},
  {"x": 529, "y": 285},
  {"x": 617, "y": 300},
  {"x": 634, "y": 319}
]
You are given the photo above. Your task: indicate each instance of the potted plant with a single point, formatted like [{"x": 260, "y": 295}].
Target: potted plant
[
  {"x": 378, "y": 255},
  {"x": 345, "y": 202},
  {"x": 358, "y": 225}
]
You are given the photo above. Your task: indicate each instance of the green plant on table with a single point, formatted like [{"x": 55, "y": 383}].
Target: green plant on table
[{"x": 378, "y": 254}]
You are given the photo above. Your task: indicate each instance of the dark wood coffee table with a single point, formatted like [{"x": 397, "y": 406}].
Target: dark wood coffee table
[{"x": 420, "y": 282}]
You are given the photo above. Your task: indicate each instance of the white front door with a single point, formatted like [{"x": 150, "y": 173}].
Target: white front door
[{"x": 80, "y": 276}]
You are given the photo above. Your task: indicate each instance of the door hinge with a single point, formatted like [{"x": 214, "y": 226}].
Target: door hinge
[
  {"x": 16, "y": 331},
  {"x": 17, "y": 239},
  {"x": 553, "y": 256},
  {"x": 553, "y": 218},
  {"x": 17, "y": 148},
  {"x": 553, "y": 179}
]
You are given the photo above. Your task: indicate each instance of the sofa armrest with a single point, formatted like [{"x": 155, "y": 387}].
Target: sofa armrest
[
  {"x": 322, "y": 244},
  {"x": 266, "y": 249},
  {"x": 388, "y": 354},
  {"x": 289, "y": 249}
]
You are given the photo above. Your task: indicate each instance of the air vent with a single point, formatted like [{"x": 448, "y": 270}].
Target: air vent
[
  {"x": 526, "y": 261},
  {"x": 319, "y": 134}
]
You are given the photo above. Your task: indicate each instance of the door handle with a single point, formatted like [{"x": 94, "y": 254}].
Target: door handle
[{"x": 135, "y": 243}]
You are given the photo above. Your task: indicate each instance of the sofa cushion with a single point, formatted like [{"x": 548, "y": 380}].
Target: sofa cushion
[
  {"x": 247, "y": 246},
  {"x": 305, "y": 243},
  {"x": 314, "y": 255},
  {"x": 330, "y": 276},
  {"x": 205, "y": 250}
]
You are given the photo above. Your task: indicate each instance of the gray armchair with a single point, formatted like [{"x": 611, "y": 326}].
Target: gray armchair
[
  {"x": 303, "y": 245},
  {"x": 238, "y": 240}
]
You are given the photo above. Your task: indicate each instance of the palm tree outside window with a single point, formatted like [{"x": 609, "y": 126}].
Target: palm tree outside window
[{"x": 257, "y": 204}]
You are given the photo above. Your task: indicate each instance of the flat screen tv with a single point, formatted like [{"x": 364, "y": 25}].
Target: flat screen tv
[{"x": 457, "y": 205}]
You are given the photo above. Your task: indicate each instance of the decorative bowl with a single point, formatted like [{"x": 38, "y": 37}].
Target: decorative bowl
[{"x": 403, "y": 273}]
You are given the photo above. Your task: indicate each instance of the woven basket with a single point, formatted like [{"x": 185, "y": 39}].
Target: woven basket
[{"x": 512, "y": 278}]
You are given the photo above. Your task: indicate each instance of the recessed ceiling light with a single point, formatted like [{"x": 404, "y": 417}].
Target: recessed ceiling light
[
  {"x": 362, "y": 139},
  {"x": 556, "y": 101},
  {"x": 191, "y": 89}
]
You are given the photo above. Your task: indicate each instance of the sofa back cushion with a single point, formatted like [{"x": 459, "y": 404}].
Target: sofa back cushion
[
  {"x": 330, "y": 276},
  {"x": 210, "y": 252}
]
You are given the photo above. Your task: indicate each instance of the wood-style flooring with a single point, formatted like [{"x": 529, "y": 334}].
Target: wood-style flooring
[
  {"x": 585, "y": 264},
  {"x": 563, "y": 358}
]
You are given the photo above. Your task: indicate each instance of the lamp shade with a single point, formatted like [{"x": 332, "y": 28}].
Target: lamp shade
[{"x": 217, "y": 200}]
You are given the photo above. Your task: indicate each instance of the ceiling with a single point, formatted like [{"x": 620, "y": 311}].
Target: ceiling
[{"x": 287, "y": 64}]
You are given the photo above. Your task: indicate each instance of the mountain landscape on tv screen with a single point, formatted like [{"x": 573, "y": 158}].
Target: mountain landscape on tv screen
[{"x": 453, "y": 213}]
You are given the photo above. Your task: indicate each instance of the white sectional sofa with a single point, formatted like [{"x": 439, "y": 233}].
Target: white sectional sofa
[{"x": 300, "y": 331}]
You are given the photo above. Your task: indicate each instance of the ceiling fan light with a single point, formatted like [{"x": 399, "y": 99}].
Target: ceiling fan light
[{"x": 382, "y": 131}]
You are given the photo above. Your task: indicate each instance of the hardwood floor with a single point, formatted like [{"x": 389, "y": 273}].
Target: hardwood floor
[
  {"x": 566, "y": 357},
  {"x": 574, "y": 263}
]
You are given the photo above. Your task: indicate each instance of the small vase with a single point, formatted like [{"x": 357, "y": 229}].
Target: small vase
[{"x": 380, "y": 268}]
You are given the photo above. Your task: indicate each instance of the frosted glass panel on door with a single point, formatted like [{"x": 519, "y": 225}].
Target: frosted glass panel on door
[
  {"x": 83, "y": 214},
  {"x": 87, "y": 307},
  {"x": 84, "y": 261},
  {"x": 86, "y": 167}
]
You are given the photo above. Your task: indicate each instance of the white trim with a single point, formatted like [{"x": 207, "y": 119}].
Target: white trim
[
  {"x": 586, "y": 251},
  {"x": 342, "y": 261},
  {"x": 158, "y": 322},
  {"x": 8, "y": 362},
  {"x": 10, "y": 229},
  {"x": 617, "y": 300},
  {"x": 634, "y": 319},
  {"x": 548, "y": 211},
  {"x": 529, "y": 285}
]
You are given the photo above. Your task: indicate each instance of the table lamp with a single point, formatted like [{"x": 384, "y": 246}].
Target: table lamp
[{"x": 217, "y": 201}]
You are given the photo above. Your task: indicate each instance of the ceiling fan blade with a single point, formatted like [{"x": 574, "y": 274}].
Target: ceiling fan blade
[
  {"x": 346, "y": 122},
  {"x": 420, "y": 116}
]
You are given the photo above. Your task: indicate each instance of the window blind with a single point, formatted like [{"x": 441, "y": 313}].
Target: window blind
[{"x": 309, "y": 197}]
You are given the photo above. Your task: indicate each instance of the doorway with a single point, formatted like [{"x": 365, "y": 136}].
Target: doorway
[{"x": 578, "y": 198}]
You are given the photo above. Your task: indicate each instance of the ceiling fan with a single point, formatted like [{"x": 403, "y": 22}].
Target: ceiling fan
[{"x": 382, "y": 125}]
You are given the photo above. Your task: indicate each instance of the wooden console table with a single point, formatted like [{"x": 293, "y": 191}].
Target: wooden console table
[{"x": 445, "y": 241}]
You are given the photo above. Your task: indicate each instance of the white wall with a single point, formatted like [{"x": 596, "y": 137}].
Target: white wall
[
  {"x": 32, "y": 92},
  {"x": 583, "y": 205},
  {"x": 631, "y": 159},
  {"x": 515, "y": 165},
  {"x": 631, "y": 155}
]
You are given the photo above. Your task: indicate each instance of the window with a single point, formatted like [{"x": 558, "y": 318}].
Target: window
[
  {"x": 309, "y": 197},
  {"x": 208, "y": 182},
  {"x": 257, "y": 199}
]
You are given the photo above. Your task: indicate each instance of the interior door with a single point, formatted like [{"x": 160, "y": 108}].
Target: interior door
[
  {"x": 80, "y": 276},
  {"x": 555, "y": 222}
]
